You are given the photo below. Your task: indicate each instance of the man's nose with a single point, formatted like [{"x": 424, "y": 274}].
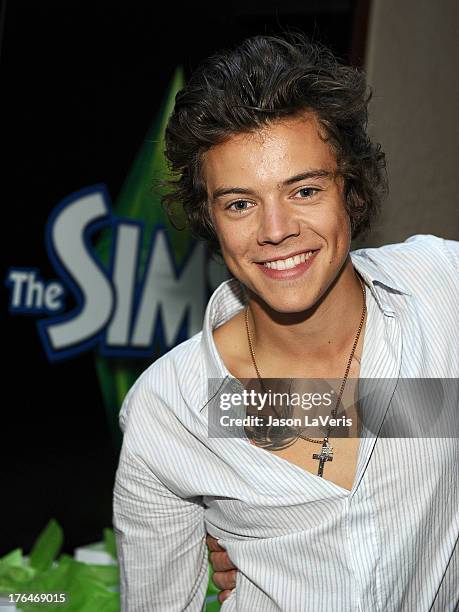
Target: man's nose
[{"x": 276, "y": 223}]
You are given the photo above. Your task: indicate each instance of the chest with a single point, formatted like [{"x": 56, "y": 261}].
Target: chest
[
  {"x": 340, "y": 465},
  {"x": 341, "y": 469}
]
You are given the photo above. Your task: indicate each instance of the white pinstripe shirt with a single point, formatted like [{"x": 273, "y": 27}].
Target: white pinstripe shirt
[{"x": 300, "y": 542}]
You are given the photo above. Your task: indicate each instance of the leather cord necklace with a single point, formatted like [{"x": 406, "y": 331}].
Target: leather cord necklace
[{"x": 326, "y": 453}]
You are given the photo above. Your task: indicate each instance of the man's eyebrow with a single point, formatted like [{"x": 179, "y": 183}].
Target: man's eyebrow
[
  {"x": 315, "y": 173},
  {"x": 308, "y": 174}
]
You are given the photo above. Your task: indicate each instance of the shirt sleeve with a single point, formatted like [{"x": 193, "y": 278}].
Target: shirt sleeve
[{"x": 160, "y": 540}]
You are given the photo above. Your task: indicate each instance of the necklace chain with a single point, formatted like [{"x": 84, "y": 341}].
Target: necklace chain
[{"x": 343, "y": 383}]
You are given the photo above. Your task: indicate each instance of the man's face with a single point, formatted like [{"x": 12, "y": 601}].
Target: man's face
[{"x": 269, "y": 215}]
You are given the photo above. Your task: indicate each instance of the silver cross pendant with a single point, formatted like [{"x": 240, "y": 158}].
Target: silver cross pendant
[{"x": 326, "y": 454}]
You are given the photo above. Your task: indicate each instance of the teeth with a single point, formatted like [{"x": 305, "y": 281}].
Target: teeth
[{"x": 291, "y": 262}]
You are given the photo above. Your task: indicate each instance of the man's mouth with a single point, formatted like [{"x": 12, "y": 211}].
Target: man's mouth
[{"x": 288, "y": 262}]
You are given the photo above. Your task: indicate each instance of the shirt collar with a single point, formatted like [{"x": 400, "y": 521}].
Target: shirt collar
[
  {"x": 378, "y": 280},
  {"x": 225, "y": 302},
  {"x": 230, "y": 297}
]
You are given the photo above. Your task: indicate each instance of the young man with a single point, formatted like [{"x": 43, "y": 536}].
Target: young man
[{"x": 276, "y": 172}]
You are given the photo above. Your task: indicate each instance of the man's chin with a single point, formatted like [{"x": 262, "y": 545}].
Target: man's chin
[
  {"x": 284, "y": 300},
  {"x": 291, "y": 309},
  {"x": 282, "y": 305}
]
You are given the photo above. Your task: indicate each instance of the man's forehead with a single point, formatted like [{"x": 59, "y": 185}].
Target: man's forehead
[{"x": 276, "y": 151}]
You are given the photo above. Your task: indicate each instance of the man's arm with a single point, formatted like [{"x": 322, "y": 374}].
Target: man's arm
[{"x": 160, "y": 541}]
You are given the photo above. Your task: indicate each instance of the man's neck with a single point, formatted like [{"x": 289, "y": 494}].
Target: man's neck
[{"x": 319, "y": 335}]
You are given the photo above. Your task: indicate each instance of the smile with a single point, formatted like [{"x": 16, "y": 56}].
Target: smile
[
  {"x": 290, "y": 262},
  {"x": 288, "y": 268}
]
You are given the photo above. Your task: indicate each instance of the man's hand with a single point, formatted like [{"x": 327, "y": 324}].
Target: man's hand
[{"x": 224, "y": 576}]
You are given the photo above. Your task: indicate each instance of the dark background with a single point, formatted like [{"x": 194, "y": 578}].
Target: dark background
[{"x": 81, "y": 83}]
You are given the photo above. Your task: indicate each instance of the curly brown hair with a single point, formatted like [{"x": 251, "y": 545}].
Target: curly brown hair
[{"x": 263, "y": 79}]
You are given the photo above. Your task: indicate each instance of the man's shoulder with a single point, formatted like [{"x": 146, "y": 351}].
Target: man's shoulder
[
  {"x": 415, "y": 245},
  {"x": 416, "y": 263},
  {"x": 176, "y": 371},
  {"x": 177, "y": 361}
]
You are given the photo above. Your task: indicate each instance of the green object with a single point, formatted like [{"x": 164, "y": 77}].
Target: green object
[
  {"x": 140, "y": 200},
  {"x": 47, "y": 546},
  {"x": 110, "y": 542},
  {"x": 211, "y": 589},
  {"x": 212, "y": 604},
  {"x": 14, "y": 572},
  {"x": 88, "y": 587}
]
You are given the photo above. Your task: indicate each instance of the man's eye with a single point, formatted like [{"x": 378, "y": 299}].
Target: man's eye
[
  {"x": 308, "y": 192},
  {"x": 239, "y": 206}
]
